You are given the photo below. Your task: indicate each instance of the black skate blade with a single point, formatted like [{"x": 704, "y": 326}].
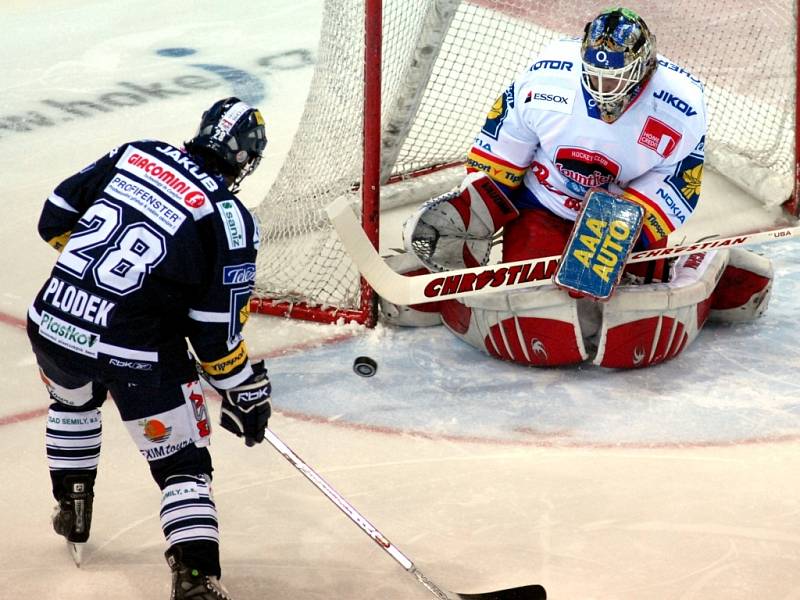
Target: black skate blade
[
  {"x": 525, "y": 592},
  {"x": 76, "y": 552}
]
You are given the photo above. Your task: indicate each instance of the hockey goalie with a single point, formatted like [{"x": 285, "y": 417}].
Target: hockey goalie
[{"x": 595, "y": 150}]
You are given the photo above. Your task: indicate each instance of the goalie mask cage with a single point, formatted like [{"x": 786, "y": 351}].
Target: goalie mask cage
[{"x": 402, "y": 86}]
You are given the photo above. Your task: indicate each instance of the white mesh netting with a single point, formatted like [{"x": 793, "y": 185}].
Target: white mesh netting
[{"x": 445, "y": 62}]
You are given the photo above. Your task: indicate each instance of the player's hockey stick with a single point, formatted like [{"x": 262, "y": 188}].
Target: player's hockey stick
[
  {"x": 528, "y": 592},
  {"x": 433, "y": 287}
]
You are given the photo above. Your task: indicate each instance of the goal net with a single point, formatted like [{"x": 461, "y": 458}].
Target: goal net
[{"x": 435, "y": 67}]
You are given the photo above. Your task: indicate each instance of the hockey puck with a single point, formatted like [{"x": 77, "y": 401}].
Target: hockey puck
[{"x": 365, "y": 366}]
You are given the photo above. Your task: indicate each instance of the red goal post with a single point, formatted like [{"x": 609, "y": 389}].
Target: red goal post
[{"x": 401, "y": 87}]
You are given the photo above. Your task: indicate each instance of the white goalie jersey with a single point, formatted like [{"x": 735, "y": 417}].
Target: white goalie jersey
[{"x": 545, "y": 142}]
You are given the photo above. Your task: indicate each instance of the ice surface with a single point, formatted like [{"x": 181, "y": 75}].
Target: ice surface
[{"x": 678, "y": 482}]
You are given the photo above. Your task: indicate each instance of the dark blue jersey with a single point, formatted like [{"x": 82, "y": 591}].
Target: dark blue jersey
[{"x": 154, "y": 250}]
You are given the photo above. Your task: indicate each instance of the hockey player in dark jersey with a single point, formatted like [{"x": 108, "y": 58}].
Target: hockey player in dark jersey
[{"x": 156, "y": 254}]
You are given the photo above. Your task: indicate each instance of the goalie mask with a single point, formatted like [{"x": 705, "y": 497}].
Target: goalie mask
[
  {"x": 618, "y": 55},
  {"x": 231, "y": 139}
]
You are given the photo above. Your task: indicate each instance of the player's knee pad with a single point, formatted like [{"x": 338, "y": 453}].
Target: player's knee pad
[
  {"x": 743, "y": 291},
  {"x": 455, "y": 230},
  {"x": 82, "y": 397},
  {"x": 536, "y": 327},
  {"x": 69, "y": 391},
  {"x": 192, "y": 460},
  {"x": 414, "y": 315},
  {"x": 644, "y": 325}
]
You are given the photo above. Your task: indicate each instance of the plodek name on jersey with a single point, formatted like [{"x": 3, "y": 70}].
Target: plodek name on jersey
[
  {"x": 77, "y": 302},
  {"x": 676, "y": 102},
  {"x": 166, "y": 178}
]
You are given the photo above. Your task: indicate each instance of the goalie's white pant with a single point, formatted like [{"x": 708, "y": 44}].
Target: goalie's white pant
[{"x": 641, "y": 325}]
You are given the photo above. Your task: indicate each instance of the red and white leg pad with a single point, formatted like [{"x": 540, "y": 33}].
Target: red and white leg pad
[
  {"x": 535, "y": 327},
  {"x": 644, "y": 325},
  {"x": 414, "y": 315},
  {"x": 743, "y": 291}
]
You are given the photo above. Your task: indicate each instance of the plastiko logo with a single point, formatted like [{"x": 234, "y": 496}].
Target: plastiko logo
[{"x": 68, "y": 336}]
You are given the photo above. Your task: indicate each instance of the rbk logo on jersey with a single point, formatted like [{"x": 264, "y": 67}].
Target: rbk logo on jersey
[
  {"x": 674, "y": 101},
  {"x": 659, "y": 137}
]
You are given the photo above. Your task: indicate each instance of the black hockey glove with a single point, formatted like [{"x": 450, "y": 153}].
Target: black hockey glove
[{"x": 246, "y": 408}]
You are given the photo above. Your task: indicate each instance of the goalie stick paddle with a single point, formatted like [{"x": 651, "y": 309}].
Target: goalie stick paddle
[
  {"x": 446, "y": 285},
  {"x": 527, "y": 592}
]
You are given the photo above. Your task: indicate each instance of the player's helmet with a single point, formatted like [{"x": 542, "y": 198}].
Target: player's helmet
[
  {"x": 618, "y": 55},
  {"x": 230, "y": 139}
]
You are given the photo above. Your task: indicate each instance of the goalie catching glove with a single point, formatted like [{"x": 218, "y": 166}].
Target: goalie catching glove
[
  {"x": 456, "y": 230},
  {"x": 246, "y": 407}
]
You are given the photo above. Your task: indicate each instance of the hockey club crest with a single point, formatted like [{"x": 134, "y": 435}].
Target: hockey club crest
[
  {"x": 498, "y": 113},
  {"x": 585, "y": 169},
  {"x": 601, "y": 241}
]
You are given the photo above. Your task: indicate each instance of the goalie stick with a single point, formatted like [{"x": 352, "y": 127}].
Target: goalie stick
[
  {"x": 446, "y": 285},
  {"x": 527, "y": 592}
]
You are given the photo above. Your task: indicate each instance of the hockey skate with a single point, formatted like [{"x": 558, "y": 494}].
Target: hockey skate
[
  {"x": 72, "y": 517},
  {"x": 191, "y": 584}
]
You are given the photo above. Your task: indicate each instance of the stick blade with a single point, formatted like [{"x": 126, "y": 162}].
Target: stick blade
[
  {"x": 525, "y": 592},
  {"x": 75, "y": 550}
]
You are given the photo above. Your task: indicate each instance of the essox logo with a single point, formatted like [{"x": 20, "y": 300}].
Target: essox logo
[{"x": 160, "y": 175}]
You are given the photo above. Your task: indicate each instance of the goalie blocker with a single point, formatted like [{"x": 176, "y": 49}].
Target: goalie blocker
[{"x": 601, "y": 242}]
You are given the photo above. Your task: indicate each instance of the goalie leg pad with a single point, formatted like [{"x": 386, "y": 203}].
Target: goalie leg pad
[
  {"x": 743, "y": 291},
  {"x": 534, "y": 327},
  {"x": 415, "y": 315},
  {"x": 644, "y": 325},
  {"x": 534, "y": 234},
  {"x": 455, "y": 230}
]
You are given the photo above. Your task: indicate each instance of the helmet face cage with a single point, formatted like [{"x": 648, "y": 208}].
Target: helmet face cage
[
  {"x": 233, "y": 133},
  {"x": 618, "y": 54}
]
